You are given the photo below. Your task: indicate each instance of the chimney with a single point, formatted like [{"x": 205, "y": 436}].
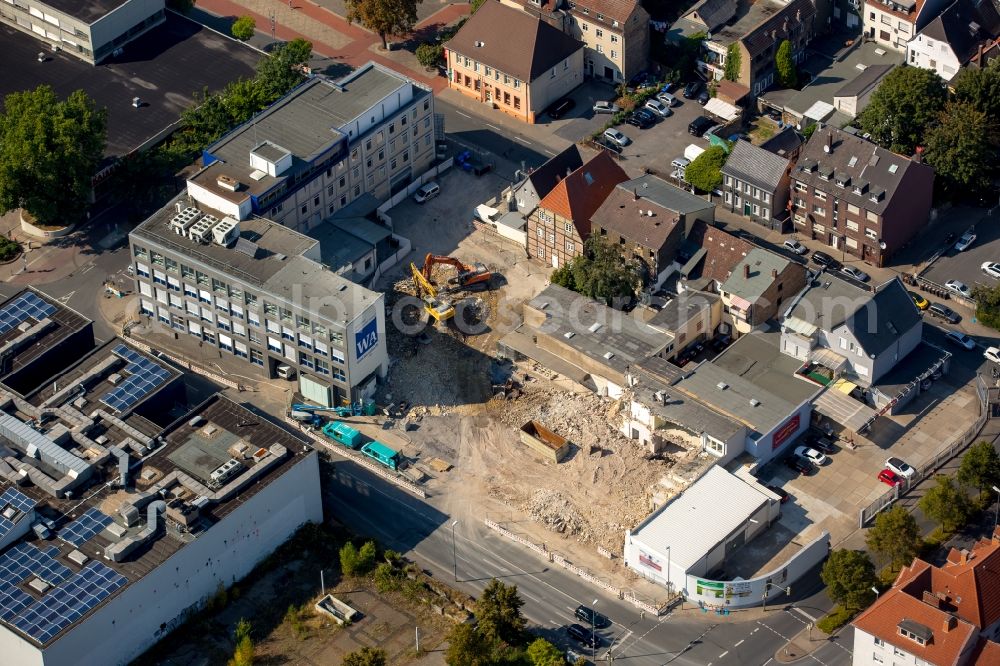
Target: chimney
[
  {"x": 828, "y": 148},
  {"x": 635, "y": 194},
  {"x": 774, "y": 273},
  {"x": 746, "y": 271},
  {"x": 979, "y": 56},
  {"x": 931, "y": 599},
  {"x": 949, "y": 623}
]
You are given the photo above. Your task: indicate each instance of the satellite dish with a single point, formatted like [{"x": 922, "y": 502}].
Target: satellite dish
[{"x": 881, "y": 244}]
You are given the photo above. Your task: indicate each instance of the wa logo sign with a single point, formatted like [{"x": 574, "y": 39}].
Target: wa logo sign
[{"x": 366, "y": 339}]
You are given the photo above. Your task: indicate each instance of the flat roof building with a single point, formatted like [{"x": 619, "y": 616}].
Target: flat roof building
[{"x": 91, "y": 30}]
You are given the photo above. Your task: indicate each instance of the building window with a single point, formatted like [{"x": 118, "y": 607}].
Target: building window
[
  {"x": 600, "y": 49},
  {"x": 517, "y": 102},
  {"x": 540, "y": 251},
  {"x": 871, "y": 233},
  {"x": 818, "y": 210},
  {"x": 598, "y": 33},
  {"x": 570, "y": 246},
  {"x": 614, "y": 38}
]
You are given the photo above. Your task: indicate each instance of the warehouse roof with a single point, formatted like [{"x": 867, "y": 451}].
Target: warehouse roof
[{"x": 696, "y": 520}]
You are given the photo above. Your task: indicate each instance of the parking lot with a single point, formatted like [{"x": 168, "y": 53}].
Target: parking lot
[{"x": 966, "y": 266}]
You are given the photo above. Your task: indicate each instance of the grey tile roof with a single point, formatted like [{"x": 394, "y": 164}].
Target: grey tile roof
[
  {"x": 545, "y": 177},
  {"x": 731, "y": 395},
  {"x": 865, "y": 81},
  {"x": 784, "y": 143},
  {"x": 712, "y": 13},
  {"x": 964, "y": 25},
  {"x": 761, "y": 263},
  {"x": 884, "y": 318},
  {"x": 682, "y": 309},
  {"x": 665, "y": 195},
  {"x": 754, "y": 165},
  {"x": 760, "y": 36}
]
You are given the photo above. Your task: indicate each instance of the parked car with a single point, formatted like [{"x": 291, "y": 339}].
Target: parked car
[
  {"x": 700, "y": 125},
  {"x": 823, "y": 259},
  {"x": 640, "y": 81},
  {"x": 810, "y": 454},
  {"x": 584, "y": 635},
  {"x": 616, "y": 137},
  {"x": 678, "y": 174},
  {"x": 426, "y": 192},
  {"x": 560, "y": 108},
  {"x": 959, "y": 288},
  {"x": 899, "y": 466},
  {"x": 942, "y": 311},
  {"x": 658, "y": 107},
  {"x": 890, "y": 478},
  {"x": 780, "y": 492},
  {"x": 992, "y": 269},
  {"x": 992, "y": 354},
  {"x": 960, "y": 339},
  {"x": 590, "y": 616},
  {"x": 606, "y": 107},
  {"x": 721, "y": 342},
  {"x": 692, "y": 89},
  {"x": 966, "y": 241},
  {"x": 704, "y": 97},
  {"x": 641, "y": 118},
  {"x": 918, "y": 300},
  {"x": 800, "y": 465},
  {"x": 820, "y": 442},
  {"x": 796, "y": 247},
  {"x": 856, "y": 273},
  {"x": 668, "y": 99}
]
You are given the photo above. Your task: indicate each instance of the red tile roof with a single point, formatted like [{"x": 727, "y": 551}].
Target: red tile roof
[
  {"x": 723, "y": 251},
  {"x": 618, "y": 10},
  {"x": 578, "y": 196},
  {"x": 987, "y": 654}
]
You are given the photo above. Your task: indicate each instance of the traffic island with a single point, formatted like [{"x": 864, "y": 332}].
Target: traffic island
[{"x": 801, "y": 645}]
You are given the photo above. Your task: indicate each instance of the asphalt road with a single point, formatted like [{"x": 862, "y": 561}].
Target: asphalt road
[{"x": 468, "y": 555}]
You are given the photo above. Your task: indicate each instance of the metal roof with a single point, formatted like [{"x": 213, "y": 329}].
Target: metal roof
[{"x": 736, "y": 397}]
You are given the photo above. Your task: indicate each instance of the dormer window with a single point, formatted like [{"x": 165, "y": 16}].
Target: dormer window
[{"x": 914, "y": 631}]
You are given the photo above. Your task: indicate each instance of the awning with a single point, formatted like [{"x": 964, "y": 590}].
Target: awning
[
  {"x": 843, "y": 409},
  {"x": 828, "y": 359},
  {"x": 723, "y": 110},
  {"x": 819, "y": 110},
  {"x": 800, "y": 326},
  {"x": 844, "y": 386},
  {"x": 741, "y": 303}
]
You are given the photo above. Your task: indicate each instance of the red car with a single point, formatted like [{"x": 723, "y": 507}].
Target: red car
[{"x": 889, "y": 478}]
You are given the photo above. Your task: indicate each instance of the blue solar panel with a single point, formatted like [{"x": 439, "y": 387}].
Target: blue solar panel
[
  {"x": 69, "y": 602},
  {"x": 16, "y": 499},
  {"x": 85, "y": 527},
  {"x": 145, "y": 376},
  {"x": 24, "y": 306},
  {"x": 20, "y": 562}
]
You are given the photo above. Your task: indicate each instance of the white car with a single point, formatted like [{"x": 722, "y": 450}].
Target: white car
[
  {"x": 855, "y": 273},
  {"x": 900, "y": 467},
  {"x": 659, "y": 108},
  {"x": 992, "y": 354},
  {"x": 616, "y": 137},
  {"x": 796, "y": 247},
  {"x": 606, "y": 107},
  {"x": 810, "y": 454},
  {"x": 961, "y": 339},
  {"x": 966, "y": 241},
  {"x": 992, "y": 269},
  {"x": 958, "y": 287}
]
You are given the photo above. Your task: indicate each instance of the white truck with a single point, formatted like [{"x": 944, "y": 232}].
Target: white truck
[{"x": 693, "y": 151}]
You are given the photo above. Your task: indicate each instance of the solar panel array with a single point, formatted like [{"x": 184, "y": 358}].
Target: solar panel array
[
  {"x": 67, "y": 603},
  {"x": 144, "y": 377},
  {"x": 84, "y": 528},
  {"x": 15, "y": 498},
  {"x": 26, "y": 305},
  {"x": 20, "y": 562}
]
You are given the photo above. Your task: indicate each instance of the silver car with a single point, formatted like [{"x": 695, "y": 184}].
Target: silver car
[
  {"x": 659, "y": 108},
  {"x": 606, "y": 107},
  {"x": 616, "y": 137},
  {"x": 958, "y": 287}
]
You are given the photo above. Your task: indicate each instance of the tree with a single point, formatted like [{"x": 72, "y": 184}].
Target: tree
[
  {"x": 732, "y": 72},
  {"x": 980, "y": 467},
  {"x": 280, "y": 72},
  {"x": 981, "y": 88},
  {"x": 244, "y": 27},
  {"x": 962, "y": 148},
  {"x": 946, "y": 503},
  {"x": 705, "y": 171},
  {"x": 849, "y": 577},
  {"x": 543, "y": 653},
  {"x": 366, "y": 656},
  {"x": 384, "y": 17},
  {"x": 600, "y": 273},
  {"x": 895, "y": 536},
  {"x": 466, "y": 647},
  {"x": 243, "y": 655},
  {"x": 49, "y": 152},
  {"x": 357, "y": 562},
  {"x": 987, "y": 304},
  {"x": 430, "y": 55},
  {"x": 498, "y": 610},
  {"x": 784, "y": 65},
  {"x": 905, "y": 104}
]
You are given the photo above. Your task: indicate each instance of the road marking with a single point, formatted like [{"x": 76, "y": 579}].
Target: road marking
[
  {"x": 805, "y": 614},
  {"x": 65, "y": 299},
  {"x": 86, "y": 268},
  {"x": 524, "y": 141},
  {"x": 463, "y": 114},
  {"x": 723, "y": 654},
  {"x": 739, "y": 643},
  {"x": 767, "y": 662},
  {"x": 494, "y": 127}
]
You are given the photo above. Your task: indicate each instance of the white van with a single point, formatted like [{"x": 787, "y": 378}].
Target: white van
[
  {"x": 680, "y": 163},
  {"x": 428, "y": 191}
]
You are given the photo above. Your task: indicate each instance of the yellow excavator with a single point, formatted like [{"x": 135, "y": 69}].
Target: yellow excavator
[{"x": 440, "y": 310}]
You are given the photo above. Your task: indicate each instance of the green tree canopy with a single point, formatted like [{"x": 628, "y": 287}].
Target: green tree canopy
[
  {"x": 430, "y": 55},
  {"x": 980, "y": 88},
  {"x": 987, "y": 300},
  {"x": 903, "y": 107},
  {"x": 600, "y": 273},
  {"x": 543, "y": 653},
  {"x": 244, "y": 27},
  {"x": 980, "y": 467},
  {"x": 49, "y": 152},
  {"x": 280, "y": 72},
  {"x": 849, "y": 576},
  {"x": 895, "y": 537},
  {"x": 732, "y": 71},
  {"x": 705, "y": 171},
  {"x": 498, "y": 610},
  {"x": 384, "y": 17},
  {"x": 466, "y": 647},
  {"x": 946, "y": 503},
  {"x": 784, "y": 65},
  {"x": 962, "y": 148},
  {"x": 243, "y": 655},
  {"x": 366, "y": 656}
]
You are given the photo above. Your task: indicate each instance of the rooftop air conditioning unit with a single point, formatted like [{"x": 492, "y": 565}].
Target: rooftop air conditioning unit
[
  {"x": 184, "y": 220},
  {"x": 226, "y": 232},
  {"x": 201, "y": 232},
  {"x": 228, "y": 183}
]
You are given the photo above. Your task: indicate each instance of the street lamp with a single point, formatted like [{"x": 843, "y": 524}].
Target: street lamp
[
  {"x": 454, "y": 550},
  {"x": 593, "y": 631}
]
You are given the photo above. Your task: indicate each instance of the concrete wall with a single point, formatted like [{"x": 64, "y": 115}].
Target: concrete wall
[
  {"x": 904, "y": 344},
  {"x": 131, "y": 622},
  {"x": 776, "y": 441},
  {"x": 240, "y": 211},
  {"x": 922, "y": 51},
  {"x": 115, "y": 24}
]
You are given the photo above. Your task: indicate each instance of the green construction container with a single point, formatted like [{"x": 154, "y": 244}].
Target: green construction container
[{"x": 343, "y": 434}]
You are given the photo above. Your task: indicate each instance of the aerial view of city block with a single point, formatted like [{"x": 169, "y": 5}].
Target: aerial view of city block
[{"x": 500, "y": 333}]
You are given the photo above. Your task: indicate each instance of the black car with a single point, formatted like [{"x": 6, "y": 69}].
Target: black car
[
  {"x": 780, "y": 493},
  {"x": 590, "y": 616},
  {"x": 704, "y": 97},
  {"x": 823, "y": 259},
  {"x": 944, "y": 312},
  {"x": 561, "y": 108},
  {"x": 799, "y": 464},
  {"x": 700, "y": 125},
  {"x": 641, "y": 118},
  {"x": 820, "y": 442},
  {"x": 720, "y": 343},
  {"x": 692, "y": 89},
  {"x": 585, "y": 636}
]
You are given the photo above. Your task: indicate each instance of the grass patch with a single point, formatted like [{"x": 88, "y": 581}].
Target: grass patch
[{"x": 836, "y": 619}]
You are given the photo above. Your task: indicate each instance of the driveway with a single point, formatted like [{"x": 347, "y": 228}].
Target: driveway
[
  {"x": 653, "y": 149},
  {"x": 966, "y": 266}
]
